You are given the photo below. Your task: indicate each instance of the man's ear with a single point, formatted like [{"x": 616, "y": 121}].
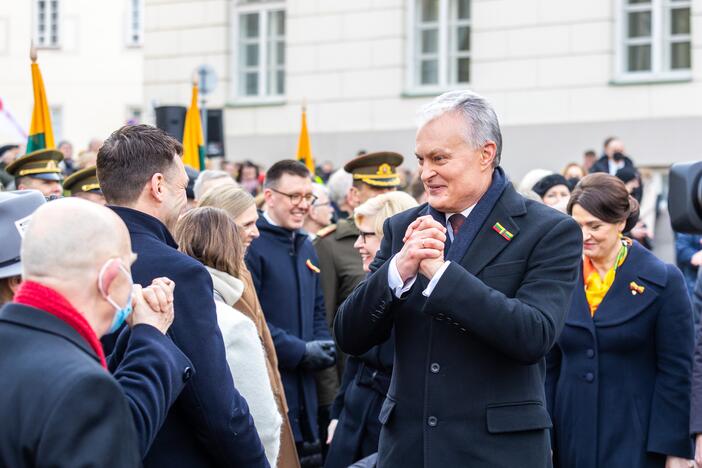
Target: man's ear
[
  {"x": 111, "y": 272},
  {"x": 488, "y": 154},
  {"x": 157, "y": 186},
  {"x": 353, "y": 197},
  {"x": 268, "y": 196}
]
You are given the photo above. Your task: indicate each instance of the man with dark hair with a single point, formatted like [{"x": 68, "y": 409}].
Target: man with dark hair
[
  {"x": 613, "y": 158},
  {"x": 284, "y": 268},
  {"x": 140, "y": 171},
  {"x": 589, "y": 159}
]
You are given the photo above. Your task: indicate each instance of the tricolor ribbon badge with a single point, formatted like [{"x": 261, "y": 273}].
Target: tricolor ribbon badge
[
  {"x": 311, "y": 266},
  {"x": 636, "y": 289},
  {"x": 500, "y": 229}
]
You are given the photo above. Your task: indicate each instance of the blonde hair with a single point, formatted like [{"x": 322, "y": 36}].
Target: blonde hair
[
  {"x": 233, "y": 200},
  {"x": 381, "y": 207},
  {"x": 210, "y": 235}
]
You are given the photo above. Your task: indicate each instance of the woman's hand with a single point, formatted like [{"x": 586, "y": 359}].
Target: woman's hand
[
  {"x": 677, "y": 462},
  {"x": 331, "y": 429}
]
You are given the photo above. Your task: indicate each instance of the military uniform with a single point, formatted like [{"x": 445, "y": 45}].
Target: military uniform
[
  {"x": 84, "y": 184},
  {"x": 40, "y": 164}
]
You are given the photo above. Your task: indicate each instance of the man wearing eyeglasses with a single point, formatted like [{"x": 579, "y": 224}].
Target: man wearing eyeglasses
[
  {"x": 320, "y": 213},
  {"x": 284, "y": 267}
]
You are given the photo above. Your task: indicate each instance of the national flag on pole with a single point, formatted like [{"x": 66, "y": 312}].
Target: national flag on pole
[
  {"x": 41, "y": 135},
  {"x": 304, "y": 151},
  {"x": 193, "y": 139}
]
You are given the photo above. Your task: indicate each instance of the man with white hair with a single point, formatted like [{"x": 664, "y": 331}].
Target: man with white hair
[
  {"x": 473, "y": 284},
  {"x": 76, "y": 259},
  {"x": 320, "y": 213},
  {"x": 210, "y": 178}
]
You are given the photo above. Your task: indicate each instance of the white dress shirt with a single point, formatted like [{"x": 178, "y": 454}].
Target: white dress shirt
[{"x": 394, "y": 279}]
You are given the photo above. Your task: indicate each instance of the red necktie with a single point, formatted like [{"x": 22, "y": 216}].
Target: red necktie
[{"x": 456, "y": 221}]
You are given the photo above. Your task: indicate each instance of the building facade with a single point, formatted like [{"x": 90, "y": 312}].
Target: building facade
[
  {"x": 90, "y": 55},
  {"x": 562, "y": 74}
]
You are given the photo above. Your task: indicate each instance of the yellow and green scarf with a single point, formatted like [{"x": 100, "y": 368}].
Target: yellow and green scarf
[{"x": 595, "y": 287}]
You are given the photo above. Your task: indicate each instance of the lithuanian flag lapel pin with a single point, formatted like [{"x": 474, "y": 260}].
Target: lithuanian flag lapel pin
[
  {"x": 500, "y": 229},
  {"x": 636, "y": 289},
  {"x": 311, "y": 266}
]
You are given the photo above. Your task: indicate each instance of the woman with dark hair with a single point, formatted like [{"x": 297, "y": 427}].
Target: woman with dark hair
[{"x": 618, "y": 381}]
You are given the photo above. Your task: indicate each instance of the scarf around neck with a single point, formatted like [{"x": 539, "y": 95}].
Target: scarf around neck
[
  {"x": 40, "y": 297},
  {"x": 596, "y": 287}
]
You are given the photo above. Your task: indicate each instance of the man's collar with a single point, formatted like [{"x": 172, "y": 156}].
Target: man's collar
[
  {"x": 268, "y": 218},
  {"x": 140, "y": 222}
]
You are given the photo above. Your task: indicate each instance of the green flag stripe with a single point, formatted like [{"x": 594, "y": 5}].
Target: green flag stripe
[
  {"x": 36, "y": 142},
  {"x": 201, "y": 154}
]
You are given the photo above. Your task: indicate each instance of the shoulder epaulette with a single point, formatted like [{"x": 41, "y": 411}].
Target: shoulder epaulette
[{"x": 325, "y": 231}]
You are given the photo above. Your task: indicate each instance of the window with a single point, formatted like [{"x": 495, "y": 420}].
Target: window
[
  {"x": 655, "y": 39},
  {"x": 439, "y": 43},
  {"x": 261, "y": 50},
  {"x": 56, "y": 113},
  {"x": 135, "y": 23},
  {"x": 47, "y": 30}
]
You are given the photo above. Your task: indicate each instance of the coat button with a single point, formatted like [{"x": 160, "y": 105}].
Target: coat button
[
  {"x": 590, "y": 353},
  {"x": 589, "y": 376},
  {"x": 432, "y": 421},
  {"x": 435, "y": 368},
  {"x": 187, "y": 373}
]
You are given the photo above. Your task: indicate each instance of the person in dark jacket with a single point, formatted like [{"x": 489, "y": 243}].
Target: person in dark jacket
[
  {"x": 284, "y": 267},
  {"x": 613, "y": 158},
  {"x": 59, "y": 406},
  {"x": 618, "y": 381},
  {"x": 355, "y": 428},
  {"x": 143, "y": 178},
  {"x": 473, "y": 285},
  {"x": 688, "y": 257}
]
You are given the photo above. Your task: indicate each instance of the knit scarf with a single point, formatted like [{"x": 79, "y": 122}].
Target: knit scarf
[
  {"x": 596, "y": 287},
  {"x": 40, "y": 297}
]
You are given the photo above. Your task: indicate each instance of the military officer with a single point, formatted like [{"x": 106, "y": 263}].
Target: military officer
[
  {"x": 339, "y": 261},
  {"x": 84, "y": 184},
  {"x": 38, "y": 170}
]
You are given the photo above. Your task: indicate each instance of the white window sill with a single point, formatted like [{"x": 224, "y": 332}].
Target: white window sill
[
  {"x": 652, "y": 78},
  {"x": 257, "y": 101}
]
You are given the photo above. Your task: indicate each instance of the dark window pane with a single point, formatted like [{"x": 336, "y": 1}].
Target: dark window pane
[
  {"x": 680, "y": 21},
  {"x": 463, "y": 39},
  {"x": 280, "y": 53},
  {"x": 680, "y": 56},
  {"x": 249, "y": 25},
  {"x": 277, "y": 23},
  {"x": 638, "y": 2},
  {"x": 430, "y": 41},
  {"x": 429, "y": 10},
  {"x": 429, "y": 72},
  {"x": 251, "y": 84},
  {"x": 639, "y": 24},
  {"x": 281, "y": 82},
  {"x": 251, "y": 55},
  {"x": 463, "y": 70},
  {"x": 639, "y": 58},
  {"x": 463, "y": 9}
]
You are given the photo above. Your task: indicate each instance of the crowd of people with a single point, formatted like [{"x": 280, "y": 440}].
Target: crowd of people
[{"x": 365, "y": 316}]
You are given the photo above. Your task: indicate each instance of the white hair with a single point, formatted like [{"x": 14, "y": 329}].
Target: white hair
[
  {"x": 339, "y": 184},
  {"x": 206, "y": 176},
  {"x": 379, "y": 208},
  {"x": 481, "y": 120},
  {"x": 319, "y": 189},
  {"x": 530, "y": 179}
]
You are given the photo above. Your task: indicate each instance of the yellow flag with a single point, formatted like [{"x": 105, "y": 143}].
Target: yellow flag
[
  {"x": 41, "y": 135},
  {"x": 193, "y": 140},
  {"x": 304, "y": 151}
]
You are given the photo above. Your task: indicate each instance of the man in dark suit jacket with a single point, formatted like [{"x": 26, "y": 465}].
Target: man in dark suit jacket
[
  {"x": 141, "y": 174},
  {"x": 60, "y": 406},
  {"x": 474, "y": 309}
]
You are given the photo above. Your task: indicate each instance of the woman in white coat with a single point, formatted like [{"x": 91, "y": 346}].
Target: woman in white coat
[{"x": 210, "y": 236}]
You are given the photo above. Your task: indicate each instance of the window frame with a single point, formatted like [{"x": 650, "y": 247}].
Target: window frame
[
  {"x": 660, "y": 41},
  {"x": 35, "y": 28},
  {"x": 263, "y": 9},
  {"x": 447, "y": 53},
  {"x": 129, "y": 25}
]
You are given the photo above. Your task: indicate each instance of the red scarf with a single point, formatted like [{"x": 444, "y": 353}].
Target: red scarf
[{"x": 40, "y": 297}]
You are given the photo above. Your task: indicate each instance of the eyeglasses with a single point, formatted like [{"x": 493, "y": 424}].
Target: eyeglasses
[
  {"x": 296, "y": 198},
  {"x": 322, "y": 204},
  {"x": 364, "y": 235}
]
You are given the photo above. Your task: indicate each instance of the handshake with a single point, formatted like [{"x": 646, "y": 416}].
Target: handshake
[
  {"x": 319, "y": 354},
  {"x": 423, "y": 251}
]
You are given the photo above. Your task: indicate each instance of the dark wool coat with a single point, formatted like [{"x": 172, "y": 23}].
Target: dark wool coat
[
  {"x": 467, "y": 386},
  {"x": 282, "y": 264},
  {"x": 619, "y": 383},
  {"x": 209, "y": 425}
]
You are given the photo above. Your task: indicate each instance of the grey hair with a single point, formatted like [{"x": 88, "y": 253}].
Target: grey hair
[
  {"x": 481, "y": 120},
  {"x": 319, "y": 189},
  {"x": 339, "y": 184},
  {"x": 206, "y": 176}
]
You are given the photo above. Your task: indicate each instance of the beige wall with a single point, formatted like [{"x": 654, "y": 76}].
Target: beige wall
[{"x": 93, "y": 76}]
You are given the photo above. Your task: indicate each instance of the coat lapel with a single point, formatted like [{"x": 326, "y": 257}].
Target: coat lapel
[{"x": 579, "y": 314}]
